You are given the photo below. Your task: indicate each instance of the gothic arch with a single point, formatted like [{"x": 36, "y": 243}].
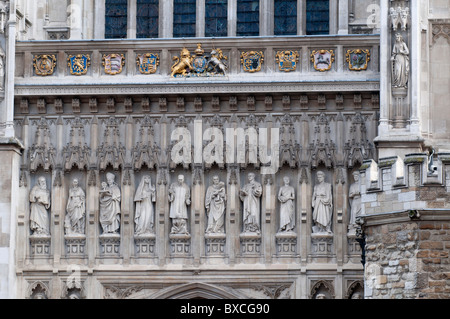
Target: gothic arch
[{"x": 194, "y": 291}]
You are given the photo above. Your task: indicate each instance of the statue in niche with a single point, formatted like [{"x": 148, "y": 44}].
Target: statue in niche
[
  {"x": 76, "y": 210},
  {"x": 40, "y": 203},
  {"x": 400, "y": 63},
  {"x": 110, "y": 205},
  {"x": 250, "y": 195},
  {"x": 180, "y": 199},
  {"x": 322, "y": 203},
  {"x": 354, "y": 195},
  {"x": 215, "y": 206},
  {"x": 144, "y": 216},
  {"x": 286, "y": 196}
]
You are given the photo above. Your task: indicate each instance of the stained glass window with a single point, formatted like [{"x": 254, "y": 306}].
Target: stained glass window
[
  {"x": 317, "y": 17},
  {"x": 285, "y": 17},
  {"x": 247, "y": 18},
  {"x": 147, "y": 18},
  {"x": 115, "y": 19},
  {"x": 184, "y": 18},
  {"x": 216, "y": 18}
]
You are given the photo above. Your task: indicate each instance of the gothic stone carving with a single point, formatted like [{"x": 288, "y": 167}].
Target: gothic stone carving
[
  {"x": 322, "y": 203},
  {"x": 180, "y": 199},
  {"x": 110, "y": 205},
  {"x": 400, "y": 63}
]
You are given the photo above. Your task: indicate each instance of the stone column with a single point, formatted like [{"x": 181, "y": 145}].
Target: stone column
[
  {"x": 166, "y": 19},
  {"x": 266, "y": 20},
  {"x": 343, "y": 17},
  {"x": 10, "y": 151},
  {"x": 99, "y": 20},
  {"x": 232, "y": 17},
  {"x": 301, "y": 17},
  {"x": 131, "y": 19},
  {"x": 200, "y": 19}
]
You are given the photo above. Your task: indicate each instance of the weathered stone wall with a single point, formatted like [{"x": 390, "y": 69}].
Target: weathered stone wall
[
  {"x": 406, "y": 206},
  {"x": 408, "y": 260}
]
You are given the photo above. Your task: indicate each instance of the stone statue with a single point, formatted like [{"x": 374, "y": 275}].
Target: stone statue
[
  {"x": 110, "y": 205},
  {"x": 322, "y": 203},
  {"x": 286, "y": 196},
  {"x": 76, "y": 210},
  {"x": 40, "y": 202},
  {"x": 400, "y": 63},
  {"x": 250, "y": 195},
  {"x": 215, "y": 206},
  {"x": 355, "y": 200},
  {"x": 144, "y": 215},
  {"x": 180, "y": 199}
]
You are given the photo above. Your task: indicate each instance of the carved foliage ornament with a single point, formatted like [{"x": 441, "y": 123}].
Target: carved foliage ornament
[
  {"x": 322, "y": 59},
  {"x": 78, "y": 64},
  {"x": 147, "y": 62},
  {"x": 287, "y": 60},
  {"x": 252, "y": 61},
  {"x": 358, "y": 59},
  {"x": 44, "y": 64},
  {"x": 113, "y": 63}
]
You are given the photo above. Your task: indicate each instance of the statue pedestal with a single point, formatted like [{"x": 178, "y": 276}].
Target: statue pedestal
[
  {"x": 75, "y": 245},
  {"x": 250, "y": 244},
  {"x": 145, "y": 244},
  {"x": 40, "y": 245},
  {"x": 322, "y": 244},
  {"x": 110, "y": 245},
  {"x": 180, "y": 244},
  {"x": 215, "y": 244},
  {"x": 286, "y": 243}
]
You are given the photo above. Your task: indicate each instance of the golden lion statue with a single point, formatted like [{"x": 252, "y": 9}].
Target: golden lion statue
[{"x": 182, "y": 63}]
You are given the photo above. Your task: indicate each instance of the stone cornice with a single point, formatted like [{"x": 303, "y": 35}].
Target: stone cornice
[
  {"x": 193, "y": 88},
  {"x": 406, "y": 216}
]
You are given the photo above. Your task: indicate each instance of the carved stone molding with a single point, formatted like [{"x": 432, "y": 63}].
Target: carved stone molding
[{"x": 440, "y": 29}]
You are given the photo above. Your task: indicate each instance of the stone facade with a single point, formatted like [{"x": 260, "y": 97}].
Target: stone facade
[{"x": 356, "y": 119}]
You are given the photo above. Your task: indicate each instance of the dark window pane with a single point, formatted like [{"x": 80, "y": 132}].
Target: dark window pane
[
  {"x": 184, "y": 18},
  {"x": 247, "y": 18},
  {"x": 317, "y": 17},
  {"x": 216, "y": 18},
  {"x": 115, "y": 19},
  {"x": 147, "y": 18},
  {"x": 285, "y": 17}
]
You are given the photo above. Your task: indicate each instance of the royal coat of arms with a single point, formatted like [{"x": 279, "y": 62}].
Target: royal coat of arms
[
  {"x": 200, "y": 64},
  {"x": 113, "y": 63},
  {"x": 287, "y": 60},
  {"x": 147, "y": 62},
  {"x": 322, "y": 59},
  {"x": 78, "y": 64},
  {"x": 252, "y": 61},
  {"x": 358, "y": 59},
  {"x": 44, "y": 64}
]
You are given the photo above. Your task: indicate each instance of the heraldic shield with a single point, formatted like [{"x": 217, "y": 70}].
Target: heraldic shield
[
  {"x": 78, "y": 64},
  {"x": 147, "y": 63}
]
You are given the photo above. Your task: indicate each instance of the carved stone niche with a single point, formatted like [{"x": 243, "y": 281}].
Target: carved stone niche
[
  {"x": 215, "y": 244},
  {"x": 75, "y": 245},
  {"x": 145, "y": 245},
  {"x": 354, "y": 248},
  {"x": 321, "y": 244},
  {"x": 286, "y": 243},
  {"x": 109, "y": 245},
  {"x": 250, "y": 244},
  {"x": 180, "y": 245},
  {"x": 40, "y": 245}
]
